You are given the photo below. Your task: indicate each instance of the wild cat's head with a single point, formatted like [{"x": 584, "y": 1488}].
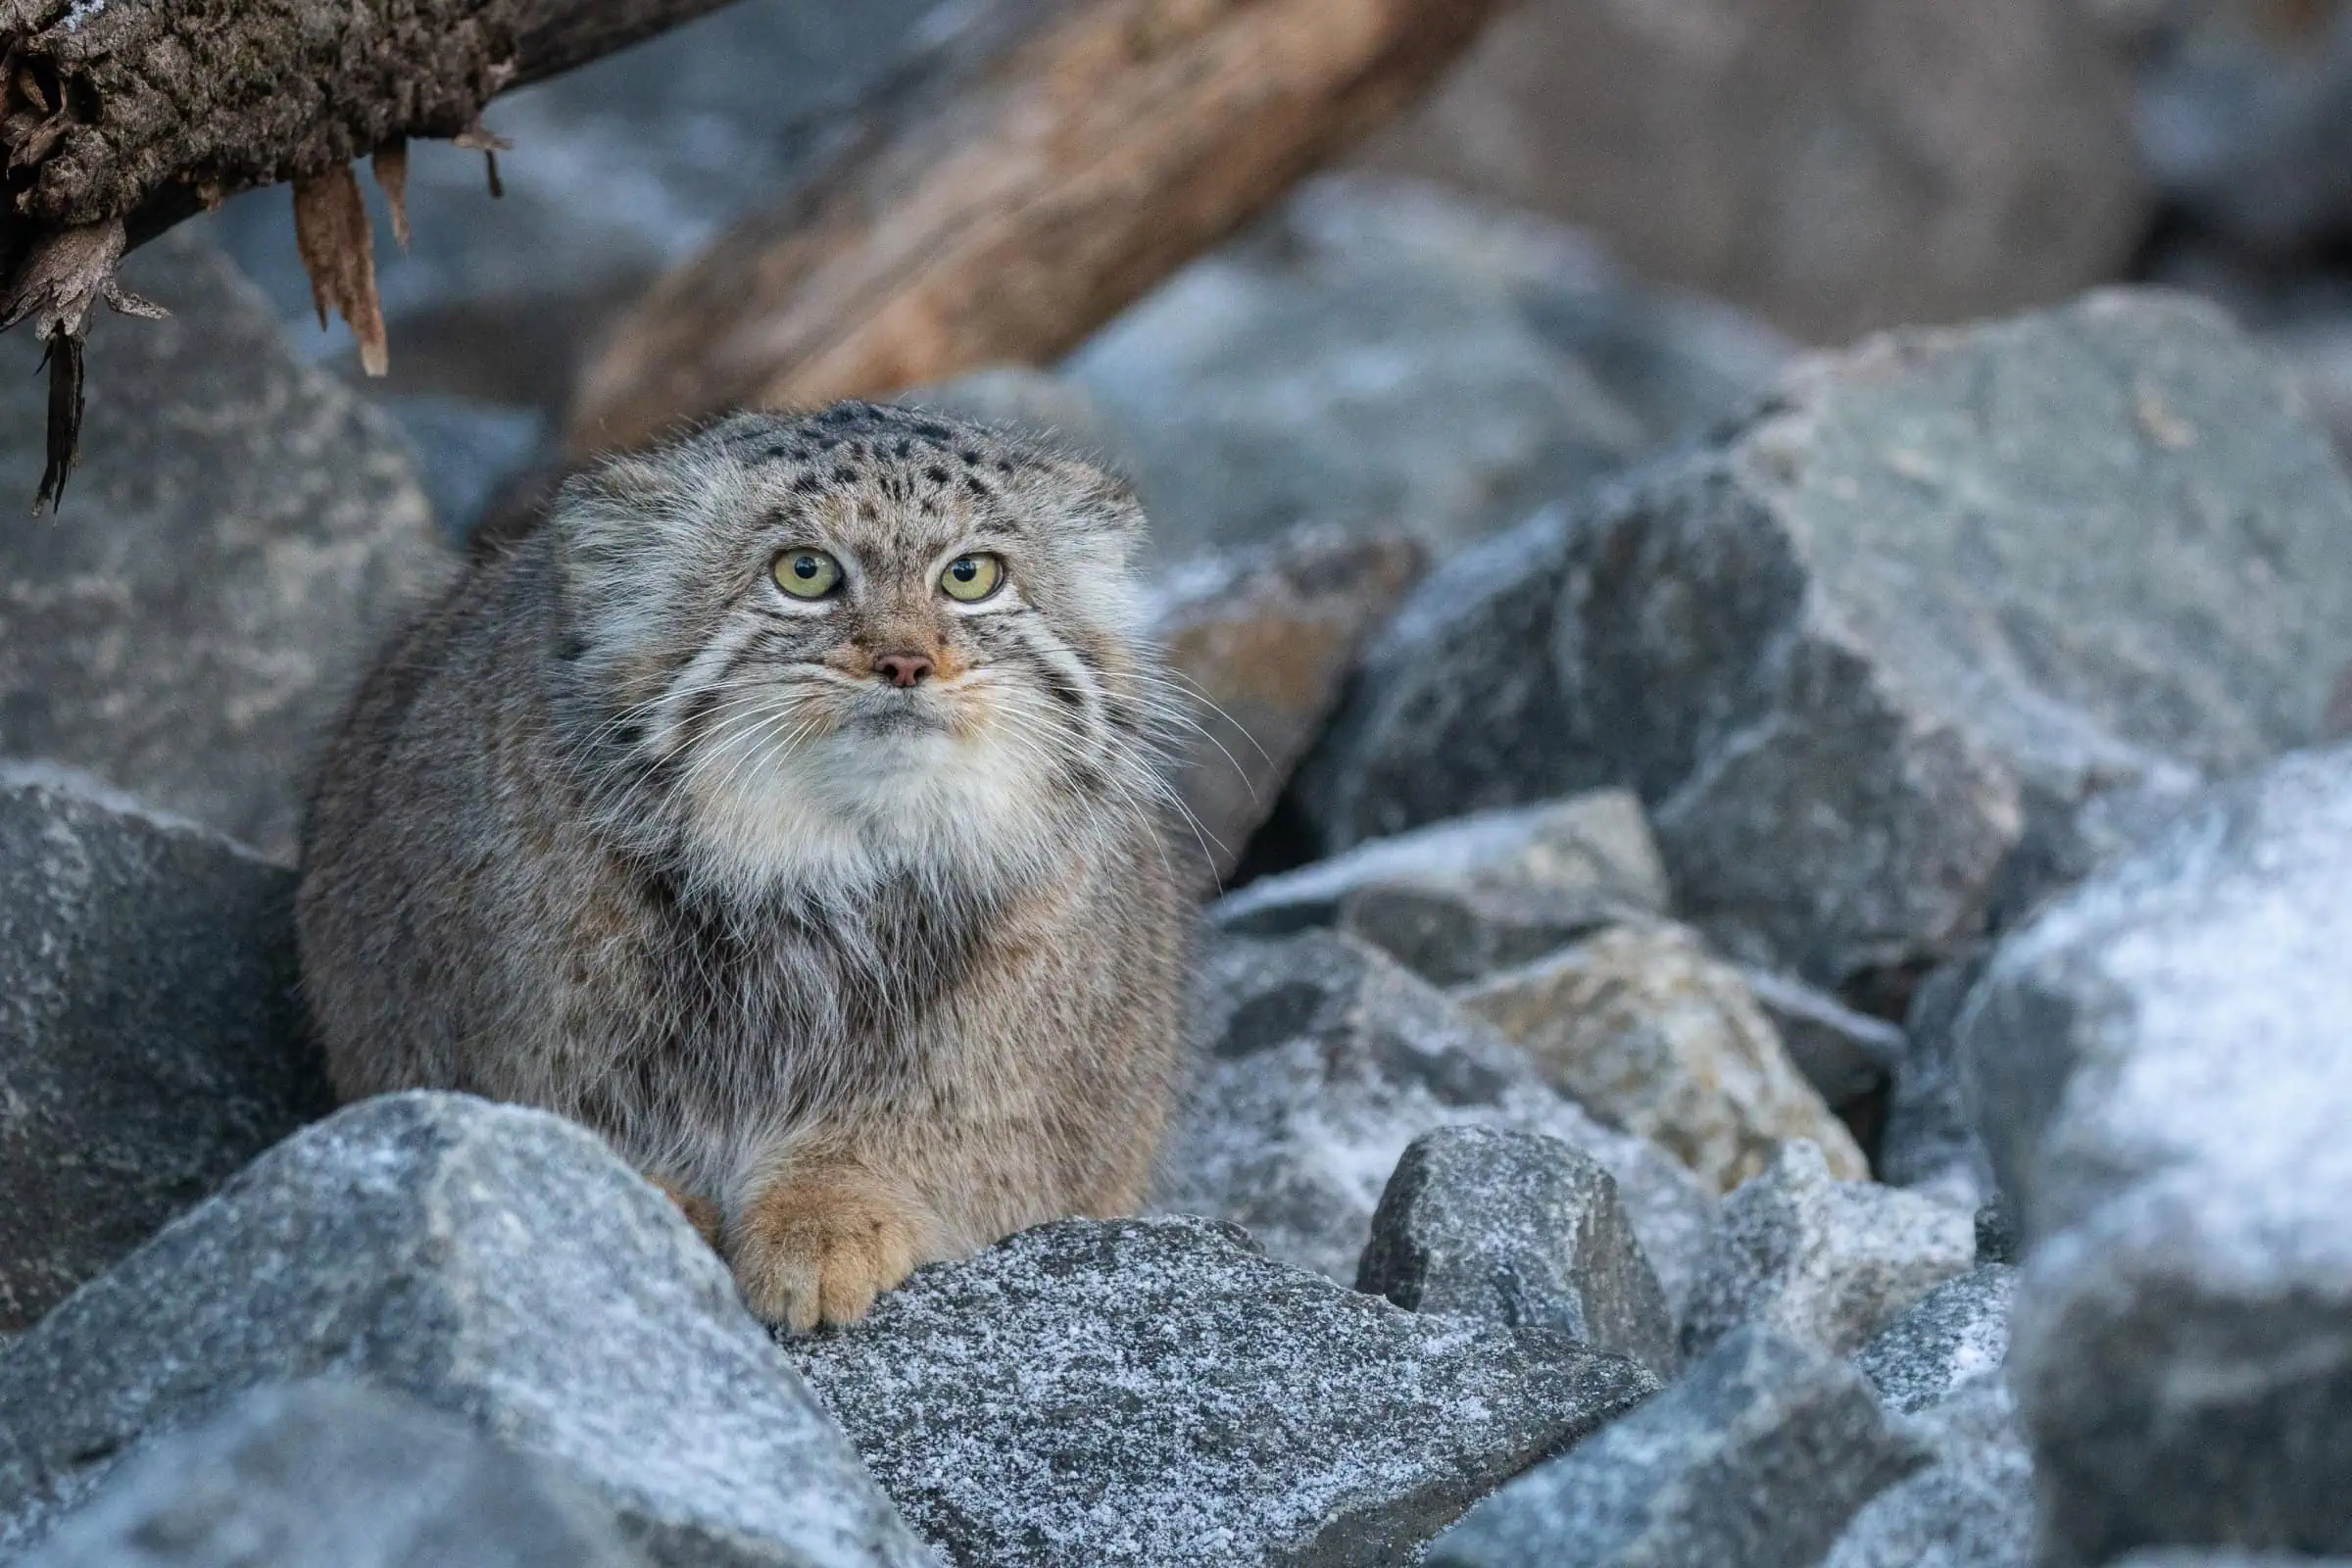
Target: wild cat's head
[{"x": 862, "y": 637}]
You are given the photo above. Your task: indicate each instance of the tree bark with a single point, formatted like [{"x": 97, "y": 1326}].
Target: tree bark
[
  {"x": 1113, "y": 141},
  {"x": 141, "y": 109},
  {"x": 121, "y": 117}
]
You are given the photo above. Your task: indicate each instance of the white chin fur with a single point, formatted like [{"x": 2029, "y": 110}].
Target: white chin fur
[{"x": 857, "y": 804}]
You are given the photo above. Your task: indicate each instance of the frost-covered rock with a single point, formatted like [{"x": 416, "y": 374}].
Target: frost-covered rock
[
  {"x": 493, "y": 1262},
  {"x": 1320, "y": 1060},
  {"x": 1956, "y": 1332},
  {"x": 1759, "y": 1455},
  {"x": 1645, "y": 1026},
  {"x": 1973, "y": 1507},
  {"x": 1382, "y": 352},
  {"x": 1522, "y": 1230},
  {"x": 2161, "y": 1064},
  {"x": 1929, "y": 1141},
  {"x": 239, "y": 532},
  {"x": 1260, "y": 641},
  {"x": 151, "y": 1041},
  {"x": 1154, "y": 1391},
  {"x": 1843, "y": 1053},
  {"x": 336, "y": 1473},
  {"x": 1820, "y": 1260},
  {"x": 1512, "y": 880},
  {"x": 1894, "y": 639}
]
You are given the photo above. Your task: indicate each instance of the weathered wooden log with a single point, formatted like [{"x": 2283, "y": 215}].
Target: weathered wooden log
[
  {"x": 1111, "y": 142},
  {"x": 121, "y": 117}
]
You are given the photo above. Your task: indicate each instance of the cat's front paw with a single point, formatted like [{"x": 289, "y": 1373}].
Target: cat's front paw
[{"x": 819, "y": 1245}]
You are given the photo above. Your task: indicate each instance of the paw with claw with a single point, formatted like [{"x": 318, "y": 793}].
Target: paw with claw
[{"x": 817, "y": 1245}]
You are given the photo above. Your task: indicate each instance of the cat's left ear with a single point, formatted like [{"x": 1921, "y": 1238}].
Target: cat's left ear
[{"x": 1100, "y": 502}]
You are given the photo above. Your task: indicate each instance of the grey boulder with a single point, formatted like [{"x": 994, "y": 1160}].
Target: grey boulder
[
  {"x": 1645, "y": 1026},
  {"x": 1154, "y": 1391},
  {"x": 239, "y": 533},
  {"x": 332, "y": 1472},
  {"x": 468, "y": 450},
  {"x": 1757, "y": 1458},
  {"x": 492, "y": 1262},
  {"x": 1897, "y": 646},
  {"x": 1956, "y": 1332},
  {"x": 1834, "y": 165},
  {"x": 151, "y": 1037},
  {"x": 1820, "y": 1260},
  {"x": 1319, "y": 1061},
  {"x": 1521, "y": 1229},
  {"x": 2160, "y": 1067},
  {"x": 1380, "y": 352},
  {"x": 1973, "y": 1507}
]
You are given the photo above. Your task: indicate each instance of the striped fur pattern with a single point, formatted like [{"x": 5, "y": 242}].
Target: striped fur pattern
[{"x": 864, "y": 975}]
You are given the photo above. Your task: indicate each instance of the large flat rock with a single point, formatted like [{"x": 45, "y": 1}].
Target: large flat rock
[
  {"x": 239, "y": 533},
  {"x": 2161, "y": 1065},
  {"x": 492, "y": 1262},
  {"x": 1933, "y": 630},
  {"x": 1159, "y": 1391},
  {"x": 151, "y": 1040}
]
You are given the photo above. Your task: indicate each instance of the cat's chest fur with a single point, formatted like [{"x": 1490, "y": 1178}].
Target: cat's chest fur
[{"x": 826, "y": 997}]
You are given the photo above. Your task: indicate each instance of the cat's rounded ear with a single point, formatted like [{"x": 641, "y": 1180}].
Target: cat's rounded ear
[{"x": 1101, "y": 502}]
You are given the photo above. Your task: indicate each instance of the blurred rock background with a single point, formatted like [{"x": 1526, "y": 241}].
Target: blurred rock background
[{"x": 1599, "y": 233}]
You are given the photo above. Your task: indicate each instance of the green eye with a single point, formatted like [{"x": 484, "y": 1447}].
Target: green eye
[
  {"x": 806, "y": 573},
  {"x": 972, "y": 577}
]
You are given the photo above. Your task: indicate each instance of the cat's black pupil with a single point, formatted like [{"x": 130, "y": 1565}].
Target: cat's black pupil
[
  {"x": 805, "y": 566},
  {"x": 965, "y": 569}
]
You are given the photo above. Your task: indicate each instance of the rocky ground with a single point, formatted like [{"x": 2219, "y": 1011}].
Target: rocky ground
[{"x": 1783, "y": 998}]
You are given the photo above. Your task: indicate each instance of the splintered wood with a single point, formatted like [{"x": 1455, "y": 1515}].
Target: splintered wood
[
  {"x": 1116, "y": 140},
  {"x": 338, "y": 251},
  {"x": 390, "y": 166},
  {"x": 121, "y": 118},
  {"x": 62, "y": 279}
]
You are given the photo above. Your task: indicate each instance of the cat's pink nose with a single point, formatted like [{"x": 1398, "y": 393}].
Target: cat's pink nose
[{"x": 903, "y": 669}]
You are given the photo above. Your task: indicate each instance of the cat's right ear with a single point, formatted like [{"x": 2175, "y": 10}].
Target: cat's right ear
[{"x": 622, "y": 516}]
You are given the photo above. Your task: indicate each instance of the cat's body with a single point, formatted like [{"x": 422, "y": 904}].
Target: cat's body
[{"x": 846, "y": 916}]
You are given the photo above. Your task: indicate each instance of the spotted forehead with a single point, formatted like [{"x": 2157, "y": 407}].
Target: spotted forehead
[{"x": 903, "y": 475}]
